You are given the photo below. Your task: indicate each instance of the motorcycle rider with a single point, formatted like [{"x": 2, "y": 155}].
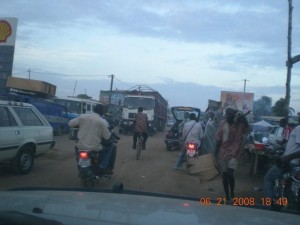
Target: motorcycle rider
[
  {"x": 186, "y": 118},
  {"x": 192, "y": 131},
  {"x": 291, "y": 154},
  {"x": 141, "y": 125},
  {"x": 92, "y": 130}
]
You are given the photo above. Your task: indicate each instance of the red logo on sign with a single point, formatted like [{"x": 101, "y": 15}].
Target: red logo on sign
[{"x": 5, "y": 30}]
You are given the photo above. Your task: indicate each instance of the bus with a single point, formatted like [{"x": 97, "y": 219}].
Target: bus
[{"x": 76, "y": 106}]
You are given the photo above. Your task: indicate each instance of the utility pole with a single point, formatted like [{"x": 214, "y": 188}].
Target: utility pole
[
  {"x": 289, "y": 64},
  {"x": 29, "y": 73},
  {"x": 74, "y": 88},
  {"x": 245, "y": 82},
  {"x": 111, "y": 87}
]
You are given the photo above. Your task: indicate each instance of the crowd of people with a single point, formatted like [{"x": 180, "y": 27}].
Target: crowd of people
[{"x": 223, "y": 136}]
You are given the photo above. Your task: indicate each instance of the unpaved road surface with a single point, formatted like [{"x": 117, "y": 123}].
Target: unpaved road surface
[{"x": 153, "y": 172}]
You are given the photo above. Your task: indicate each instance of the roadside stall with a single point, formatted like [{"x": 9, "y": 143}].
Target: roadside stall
[{"x": 257, "y": 149}]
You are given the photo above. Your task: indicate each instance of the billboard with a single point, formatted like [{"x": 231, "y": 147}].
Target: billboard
[
  {"x": 117, "y": 97},
  {"x": 242, "y": 101},
  {"x": 8, "y": 31}
]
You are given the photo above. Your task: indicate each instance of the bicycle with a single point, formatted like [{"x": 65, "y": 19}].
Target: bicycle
[{"x": 140, "y": 140}]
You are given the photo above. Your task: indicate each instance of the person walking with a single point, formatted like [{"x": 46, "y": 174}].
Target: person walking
[
  {"x": 230, "y": 136},
  {"x": 209, "y": 140}
]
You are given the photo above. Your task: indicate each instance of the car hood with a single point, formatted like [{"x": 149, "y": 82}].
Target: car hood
[
  {"x": 86, "y": 207},
  {"x": 178, "y": 112}
]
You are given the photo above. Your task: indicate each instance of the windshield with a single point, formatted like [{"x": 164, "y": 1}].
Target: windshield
[
  {"x": 135, "y": 102},
  {"x": 72, "y": 106},
  {"x": 183, "y": 113},
  {"x": 173, "y": 58}
]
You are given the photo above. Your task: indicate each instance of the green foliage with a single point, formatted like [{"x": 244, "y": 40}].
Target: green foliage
[{"x": 281, "y": 109}]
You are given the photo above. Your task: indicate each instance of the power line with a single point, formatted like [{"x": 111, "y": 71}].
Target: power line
[
  {"x": 68, "y": 75},
  {"x": 20, "y": 73},
  {"x": 122, "y": 82}
]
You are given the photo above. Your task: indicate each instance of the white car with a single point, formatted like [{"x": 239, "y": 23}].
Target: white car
[
  {"x": 275, "y": 135},
  {"x": 24, "y": 133}
]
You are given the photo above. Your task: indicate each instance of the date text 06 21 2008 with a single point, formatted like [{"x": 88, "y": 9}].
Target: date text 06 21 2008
[{"x": 241, "y": 201}]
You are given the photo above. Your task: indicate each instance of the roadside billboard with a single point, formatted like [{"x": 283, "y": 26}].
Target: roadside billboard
[
  {"x": 117, "y": 97},
  {"x": 8, "y": 31},
  {"x": 242, "y": 101}
]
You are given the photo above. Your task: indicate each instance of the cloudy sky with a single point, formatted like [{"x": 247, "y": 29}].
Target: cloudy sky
[{"x": 188, "y": 50}]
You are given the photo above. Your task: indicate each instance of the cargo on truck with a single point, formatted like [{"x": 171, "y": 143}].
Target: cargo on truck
[
  {"x": 34, "y": 86},
  {"x": 154, "y": 105},
  {"x": 41, "y": 95}
]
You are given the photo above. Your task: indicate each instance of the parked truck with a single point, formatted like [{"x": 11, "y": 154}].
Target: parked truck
[
  {"x": 41, "y": 95},
  {"x": 154, "y": 105}
]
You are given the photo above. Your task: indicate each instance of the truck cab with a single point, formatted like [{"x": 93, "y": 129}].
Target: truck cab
[{"x": 131, "y": 105}]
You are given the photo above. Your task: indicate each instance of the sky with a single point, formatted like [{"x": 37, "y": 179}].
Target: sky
[{"x": 188, "y": 50}]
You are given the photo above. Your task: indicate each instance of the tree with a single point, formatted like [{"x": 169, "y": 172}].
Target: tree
[
  {"x": 262, "y": 107},
  {"x": 280, "y": 108}
]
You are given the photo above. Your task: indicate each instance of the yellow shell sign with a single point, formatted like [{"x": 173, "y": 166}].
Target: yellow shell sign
[{"x": 5, "y": 30}]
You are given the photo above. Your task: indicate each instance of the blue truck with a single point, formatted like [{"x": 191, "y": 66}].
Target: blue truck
[{"x": 56, "y": 114}]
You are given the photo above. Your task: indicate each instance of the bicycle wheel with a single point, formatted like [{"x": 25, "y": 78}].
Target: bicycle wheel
[
  {"x": 138, "y": 150},
  {"x": 139, "y": 147}
]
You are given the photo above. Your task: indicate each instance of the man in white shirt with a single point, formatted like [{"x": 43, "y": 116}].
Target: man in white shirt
[
  {"x": 192, "y": 131},
  {"x": 92, "y": 129},
  {"x": 292, "y": 153}
]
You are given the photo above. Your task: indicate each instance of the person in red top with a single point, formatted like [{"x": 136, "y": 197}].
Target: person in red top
[
  {"x": 287, "y": 129},
  {"x": 140, "y": 126},
  {"x": 229, "y": 138}
]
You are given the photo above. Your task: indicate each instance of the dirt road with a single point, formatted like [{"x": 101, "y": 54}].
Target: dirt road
[{"x": 152, "y": 172}]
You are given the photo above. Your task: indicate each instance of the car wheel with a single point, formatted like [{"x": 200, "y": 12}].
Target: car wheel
[
  {"x": 168, "y": 148},
  {"x": 117, "y": 187},
  {"x": 23, "y": 161}
]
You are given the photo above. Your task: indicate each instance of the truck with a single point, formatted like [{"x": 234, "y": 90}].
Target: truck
[
  {"x": 40, "y": 94},
  {"x": 154, "y": 105},
  {"x": 55, "y": 114}
]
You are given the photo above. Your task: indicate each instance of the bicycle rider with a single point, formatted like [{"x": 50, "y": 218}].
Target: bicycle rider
[{"x": 141, "y": 125}]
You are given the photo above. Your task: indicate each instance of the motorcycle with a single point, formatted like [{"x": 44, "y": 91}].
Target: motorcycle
[
  {"x": 172, "y": 140},
  {"x": 191, "y": 149},
  {"x": 287, "y": 189},
  {"x": 88, "y": 161}
]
